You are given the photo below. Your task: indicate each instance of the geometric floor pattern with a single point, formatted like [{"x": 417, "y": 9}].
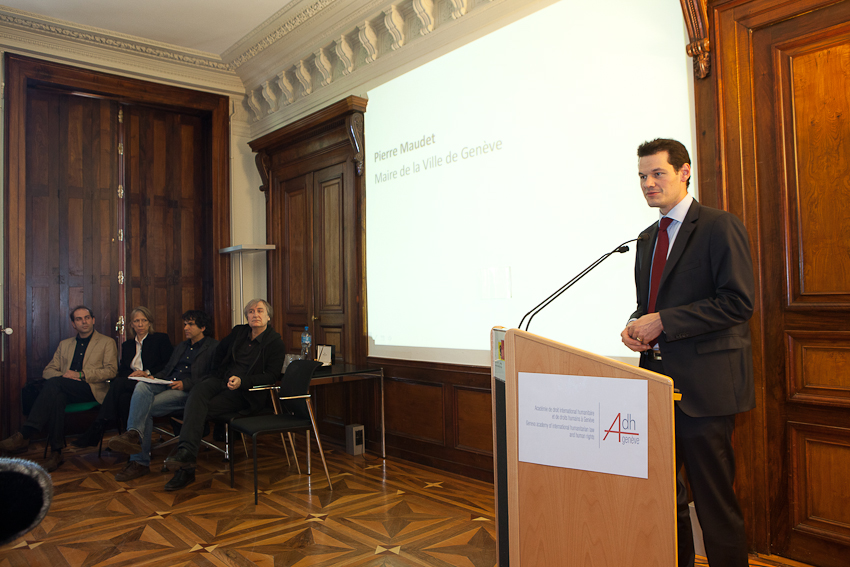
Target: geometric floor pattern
[{"x": 379, "y": 514}]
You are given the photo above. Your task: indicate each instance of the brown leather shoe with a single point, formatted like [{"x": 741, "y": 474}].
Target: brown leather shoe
[
  {"x": 132, "y": 470},
  {"x": 53, "y": 461},
  {"x": 129, "y": 443},
  {"x": 17, "y": 443}
]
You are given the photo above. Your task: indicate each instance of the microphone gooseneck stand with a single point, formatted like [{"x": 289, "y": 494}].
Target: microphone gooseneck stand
[{"x": 622, "y": 248}]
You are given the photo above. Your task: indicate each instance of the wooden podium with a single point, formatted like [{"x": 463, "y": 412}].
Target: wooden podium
[{"x": 549, "y": 515}]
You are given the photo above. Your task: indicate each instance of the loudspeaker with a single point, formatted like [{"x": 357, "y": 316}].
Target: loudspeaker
[{"x": 354, "y": 439}]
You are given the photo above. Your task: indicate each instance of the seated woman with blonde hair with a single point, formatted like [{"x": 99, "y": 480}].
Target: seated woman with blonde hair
[{"x": 144, "y": 353}]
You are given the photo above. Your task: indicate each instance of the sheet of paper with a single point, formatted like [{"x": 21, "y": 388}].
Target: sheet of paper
[
  {"x": 150, "y": 380},
  {"x": 583, "y": 422}
]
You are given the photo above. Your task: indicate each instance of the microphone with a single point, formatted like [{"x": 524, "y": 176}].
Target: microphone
[{"x": 621, "y": 249}]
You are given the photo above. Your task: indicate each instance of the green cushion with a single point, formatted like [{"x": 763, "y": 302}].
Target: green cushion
[{"x": 82, "y": 406}]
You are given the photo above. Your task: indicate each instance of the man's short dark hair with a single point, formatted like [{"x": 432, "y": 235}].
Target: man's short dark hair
[
  {"x": 677, "y": 154},
  {"x": 201, "y": 319},
  {"x": 77, "y": 308}
]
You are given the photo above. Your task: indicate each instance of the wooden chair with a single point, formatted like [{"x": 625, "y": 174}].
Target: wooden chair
[{"x": 294, "y": 413}]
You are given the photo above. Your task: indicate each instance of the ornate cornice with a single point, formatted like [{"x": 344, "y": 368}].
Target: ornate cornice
[
  {"x": 357, "y": 44},
  {"x": 281, "y": 32},
  {"x": 109, "y": 40}
]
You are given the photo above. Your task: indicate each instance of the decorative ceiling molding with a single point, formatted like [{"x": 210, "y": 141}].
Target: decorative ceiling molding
[
  {"x": 110, "y": 40},
  {"x": 356, "y": 46},
  {"x": 282, "y": 31},
  {"x": 63, "y": 42}
]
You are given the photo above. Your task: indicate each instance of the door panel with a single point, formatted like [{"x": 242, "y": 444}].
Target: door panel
[
  {"x": 297, "y": 267},
  {"x": 71, "y": 182},
  {"x": 315, "y": 259},
  {"x": 166, "y": 212},
  {"x": 784, "y": 102},
  {"x": 329, "y": 265}
]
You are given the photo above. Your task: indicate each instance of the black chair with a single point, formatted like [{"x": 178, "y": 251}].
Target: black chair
[{"x": 293, "y": 414}]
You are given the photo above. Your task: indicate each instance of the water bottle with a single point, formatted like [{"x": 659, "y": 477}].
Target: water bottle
[{"x": 306, "y": 342}]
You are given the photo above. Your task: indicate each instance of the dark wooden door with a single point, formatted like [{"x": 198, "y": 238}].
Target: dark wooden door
[
  {"x": 784, "y": 70},
  {"x": 314, "y": 248},
  {"x": 168, "y": 238},
  {"x": 39, "y": 135},
  {"x": 72, "y": 259},
  {"x": 330, "y": 226}
]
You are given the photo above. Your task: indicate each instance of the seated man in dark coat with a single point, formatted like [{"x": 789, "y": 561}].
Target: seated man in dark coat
[{"x": 251, "y": 355}]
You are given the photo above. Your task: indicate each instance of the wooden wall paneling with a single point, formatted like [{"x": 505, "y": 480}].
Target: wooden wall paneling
[
  {"x": 296, "y": 292},
  {"x": 168, "y": 216},
  {"x": 818, "y": 367},
  {"x": 819, "y": 507},
  {"x": 70, "y": 217},
  {"x": 24, "y": 75},
  {"x": 780, "y": 134},
  {"x": 473, "y": 420},
  {"x": 464, "y": 445},
  {"x": 417, "y": 411},
  {"x": 330, "y": 263},
  {"x": 817, "y": 84},
  {"x": 39, "y": 272}
]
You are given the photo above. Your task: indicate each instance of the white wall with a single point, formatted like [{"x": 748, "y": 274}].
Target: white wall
[{"x": 247, "y": 215}]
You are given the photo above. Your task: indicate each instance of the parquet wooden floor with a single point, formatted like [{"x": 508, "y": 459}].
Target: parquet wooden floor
[{"x": 379, "y": 514}]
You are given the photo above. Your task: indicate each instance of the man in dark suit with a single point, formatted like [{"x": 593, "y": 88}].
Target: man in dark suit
[{"x": 695, "y": 294}]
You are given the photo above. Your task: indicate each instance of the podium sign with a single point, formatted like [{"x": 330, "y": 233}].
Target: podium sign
[{"x": 584, "y": 423}]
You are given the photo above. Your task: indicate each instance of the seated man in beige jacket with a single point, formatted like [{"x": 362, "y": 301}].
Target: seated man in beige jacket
[{"x": 78, "y": 373}]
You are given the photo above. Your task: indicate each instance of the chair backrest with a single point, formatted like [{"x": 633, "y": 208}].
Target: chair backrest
[{"x": 296, "y": 382}]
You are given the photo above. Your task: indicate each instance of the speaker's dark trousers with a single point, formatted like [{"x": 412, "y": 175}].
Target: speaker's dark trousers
[{"x": 704, "y": 451}]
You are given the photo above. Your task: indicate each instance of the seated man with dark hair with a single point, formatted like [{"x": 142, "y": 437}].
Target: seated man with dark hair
[
  {"x": 189, "y": 364},
  {"x": 251, "y": 355},
  {"x": 78, "y": 373}
]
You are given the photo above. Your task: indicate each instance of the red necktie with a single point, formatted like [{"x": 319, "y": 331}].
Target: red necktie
[{"x": 659, "y": 259}]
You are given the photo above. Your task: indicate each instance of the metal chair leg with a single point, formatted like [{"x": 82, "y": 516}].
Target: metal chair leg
[
  {"x": 294, "y": 456},
  {"x": 256, "y": 491},
  {"x": 319, "y": 444},
  {"x": 285, "y": 450},
  {"x": 309, "y": 470},
  {"x": 230, "y": 461}
]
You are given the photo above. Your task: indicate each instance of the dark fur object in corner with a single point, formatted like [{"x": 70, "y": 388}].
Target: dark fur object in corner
[{"x": 26, "y": 492}]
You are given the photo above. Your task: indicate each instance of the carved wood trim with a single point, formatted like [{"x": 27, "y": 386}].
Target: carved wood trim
[
  {"x": 696, "y": 20},
  {"x": 354, "y": 127},
  {"x": 263, "y": 162},
  {"x": 285, "y": 135}
]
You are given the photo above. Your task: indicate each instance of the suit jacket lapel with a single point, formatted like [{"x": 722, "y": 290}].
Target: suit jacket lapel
[{"x": 682, "y": 238}]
